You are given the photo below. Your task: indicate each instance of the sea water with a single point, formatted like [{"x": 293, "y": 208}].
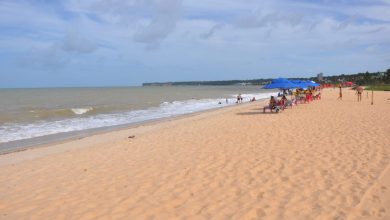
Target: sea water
[{"x": 30, "y": 113}]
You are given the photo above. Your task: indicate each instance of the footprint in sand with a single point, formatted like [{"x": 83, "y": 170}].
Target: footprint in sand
[
  {"x": 340, "y": 216},
  {"x": 379, "y": 213},
  {"x": 260, "y": 213},
  {"x": 365, "y": 213},
  {"x": 376, "y": 198},
  {"x": 253, "y": 214},
  {"x": 260, "y": 196}
]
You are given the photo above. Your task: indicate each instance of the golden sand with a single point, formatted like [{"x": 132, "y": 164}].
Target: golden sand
[{"x": 324, "y": 160}]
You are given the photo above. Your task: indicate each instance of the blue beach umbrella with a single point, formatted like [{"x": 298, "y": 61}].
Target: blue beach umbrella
[
  {"x": 304, "y": 84},
  {"x": 312, "y": 83},
  {"x": 281, "y": 83},
  {"x": 301, "y": 84}
]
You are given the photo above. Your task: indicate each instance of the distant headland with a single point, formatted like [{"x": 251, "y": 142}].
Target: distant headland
[
  {"x": 211, "y": 83},
  {"x": 358, "y": 78}
]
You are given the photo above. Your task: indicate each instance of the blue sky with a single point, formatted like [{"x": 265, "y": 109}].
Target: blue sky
[{"x": 49, "y": 43}]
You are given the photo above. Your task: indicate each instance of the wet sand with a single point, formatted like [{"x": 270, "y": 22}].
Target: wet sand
[{"x": 324, "y": 160}]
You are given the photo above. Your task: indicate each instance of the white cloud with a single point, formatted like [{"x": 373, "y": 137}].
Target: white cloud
[
  {"x": 223, "y": 35},
  {"x": 149, "y": 21},
  {"x": 166, "y": 14}
]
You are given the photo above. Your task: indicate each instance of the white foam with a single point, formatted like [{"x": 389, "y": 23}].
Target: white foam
[
  {"x": 80, "y": 111},
  {"x": 12, "y": 131}
]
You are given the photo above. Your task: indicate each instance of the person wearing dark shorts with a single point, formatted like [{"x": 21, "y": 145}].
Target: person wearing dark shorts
[
  {"x": 340, "y": 94},
  {"x": 359, "y": 91}
]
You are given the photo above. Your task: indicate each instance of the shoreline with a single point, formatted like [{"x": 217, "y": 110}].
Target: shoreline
[
  {"x": 20, "y": 124},
  {"x": 23, "y": 144},
  {"x": 61, "y": 138},
  {"x": 325, "y": 160}
]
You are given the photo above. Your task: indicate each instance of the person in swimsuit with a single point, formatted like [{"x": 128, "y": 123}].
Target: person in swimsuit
[
  {"x": 340, "y": 94},
  {"x": 359, "y": 91},
  {"x": 283, "y": 100},
  {"x": 272, "y": 103}
]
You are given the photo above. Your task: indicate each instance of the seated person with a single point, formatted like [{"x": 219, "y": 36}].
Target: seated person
[
  {"x": 283, "y": 100},
  {"x": 272, "y": 105}
]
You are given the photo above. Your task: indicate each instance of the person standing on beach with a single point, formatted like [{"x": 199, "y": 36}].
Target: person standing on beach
[
  {"x": 359, "y": 91},
  {"x": 340, "y": 94},
  {"x": 239, "y": 98}
]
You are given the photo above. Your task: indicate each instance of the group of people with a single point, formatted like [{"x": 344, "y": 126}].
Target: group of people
[
  {"x": 300, "y": 95},
  {"x": 307, "y": 95},
  {"x": 277, "y": 104},
  {"x": 240, "y": 99},
  {"x": 303, "y": 96},
  {"x": 359, "y": 92}
]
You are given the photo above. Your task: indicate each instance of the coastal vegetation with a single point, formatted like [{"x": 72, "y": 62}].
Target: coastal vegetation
[
  {"x": 379, "y": 87},
  {"x": 363, "y": 78},
  {"x": 366, "y": 78}
]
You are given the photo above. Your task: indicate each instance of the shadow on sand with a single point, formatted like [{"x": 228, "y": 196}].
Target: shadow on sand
[{"x": 256, "y": 113}]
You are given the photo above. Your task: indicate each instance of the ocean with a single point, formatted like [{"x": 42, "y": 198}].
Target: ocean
[{"x": 33, "y": 114}]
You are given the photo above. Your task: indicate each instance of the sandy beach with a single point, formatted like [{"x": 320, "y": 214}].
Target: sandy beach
[{"x": 325, "y": 160}]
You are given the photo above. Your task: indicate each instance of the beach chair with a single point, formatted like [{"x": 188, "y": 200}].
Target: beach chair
[
  {"x": 283, "y": 104},
  {"x": 291, "y": 102},
  {"x": 308, "y": 97},
  {"x": 301, "y": 99},
  {"x": 277, "y": 108}
]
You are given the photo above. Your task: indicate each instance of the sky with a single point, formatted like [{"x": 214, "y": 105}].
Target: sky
[{"x": 66, "y": 43}]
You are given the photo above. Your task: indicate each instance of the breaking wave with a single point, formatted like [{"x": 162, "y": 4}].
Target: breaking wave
[{"x": 18, "y": 131}]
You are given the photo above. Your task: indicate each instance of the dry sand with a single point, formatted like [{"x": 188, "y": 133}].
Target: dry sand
[{"x": 324, "y": 160}]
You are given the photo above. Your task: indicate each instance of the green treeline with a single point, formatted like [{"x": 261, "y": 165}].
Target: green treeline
[
  {"x": 366, "y": 78},
  {"x": 212, "y": 83}
]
